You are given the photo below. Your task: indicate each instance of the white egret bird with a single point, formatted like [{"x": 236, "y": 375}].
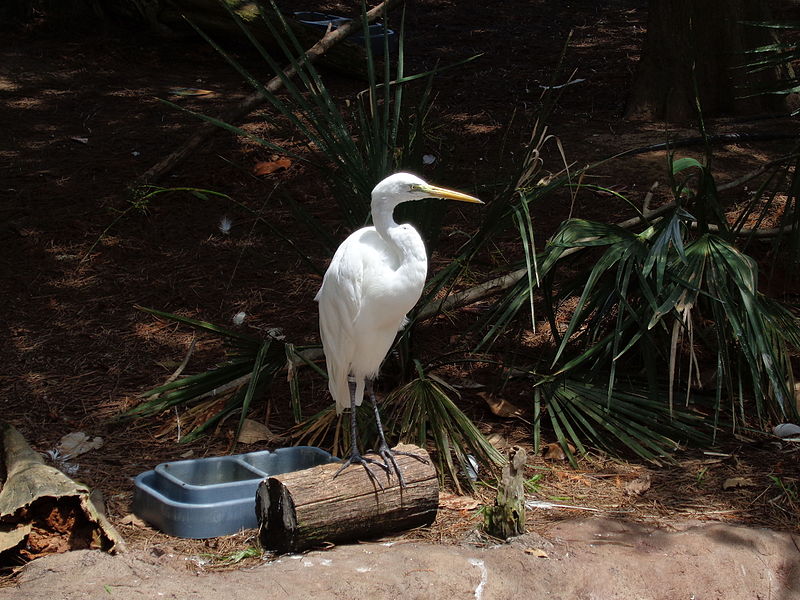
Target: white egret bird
[{"x": 374, "y": 279}]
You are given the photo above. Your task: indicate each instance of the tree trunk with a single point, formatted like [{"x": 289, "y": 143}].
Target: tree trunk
[
  {"x": 310, "y": 508},
  {"x": 690, "y": 44}
]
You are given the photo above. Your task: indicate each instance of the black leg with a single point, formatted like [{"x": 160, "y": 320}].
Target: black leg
[
  {"x": 355, "y": 455},
  {"x": 383, "y": 448}
]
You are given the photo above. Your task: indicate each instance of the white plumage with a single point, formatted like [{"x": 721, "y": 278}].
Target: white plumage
[{"x": 375, "y": 278}]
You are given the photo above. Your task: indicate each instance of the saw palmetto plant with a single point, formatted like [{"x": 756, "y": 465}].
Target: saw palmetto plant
[
  {"x": 228, "y": 389},
  {"x": 666, "y": 321}
]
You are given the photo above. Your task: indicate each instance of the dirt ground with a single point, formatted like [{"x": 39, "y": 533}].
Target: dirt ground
[
  {"x": 579, "y": 560},
  {"x": 81, "y": 119}
]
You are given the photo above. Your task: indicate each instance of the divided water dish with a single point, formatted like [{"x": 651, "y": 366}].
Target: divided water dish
[{"x": 209, "y": 497}]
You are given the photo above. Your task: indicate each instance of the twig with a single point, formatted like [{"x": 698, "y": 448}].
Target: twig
[
  {"x": 753, "y": 174},
  {"x": 185, "y": 362},
  {"x": 329, "y": 40}
]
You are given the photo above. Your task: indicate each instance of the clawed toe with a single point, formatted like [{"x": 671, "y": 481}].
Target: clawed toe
[
  {"x": 388, "y": 456},
  {"x": 357, "y": 459},
  {"x": 421, "y": 459}
]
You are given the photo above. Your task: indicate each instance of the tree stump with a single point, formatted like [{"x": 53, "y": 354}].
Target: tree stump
[
  {"x": 507, "y": 517},
  {"x": 309, "y": 508}
]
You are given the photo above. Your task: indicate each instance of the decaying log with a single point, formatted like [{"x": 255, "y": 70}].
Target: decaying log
[
  {"x": 507, "y": 517},
  {"x": 244, "y": 107},
  {"x": 43, "y": 511},
  {"x": 309, "y": 508}
]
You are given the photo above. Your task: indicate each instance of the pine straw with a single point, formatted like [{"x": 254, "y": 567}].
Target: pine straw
[{"x": 692, "y": 489}]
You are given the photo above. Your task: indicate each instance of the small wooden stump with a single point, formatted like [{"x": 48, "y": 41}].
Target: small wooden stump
[
  {"x": 507, "y": 517},
  {"x": 309, "y": 508}
]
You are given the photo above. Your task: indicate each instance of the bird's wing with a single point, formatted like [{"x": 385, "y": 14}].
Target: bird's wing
[{"x": 340, "y": 302}]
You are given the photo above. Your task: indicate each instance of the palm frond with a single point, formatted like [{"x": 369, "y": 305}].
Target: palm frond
[
  {"x": 423, "y": 410},
  {"x": 251, "y": 366},
  {"x": 581, "y": 412}
]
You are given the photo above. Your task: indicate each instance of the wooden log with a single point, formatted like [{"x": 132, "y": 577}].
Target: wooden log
[
  {"x": 309, "y": 508},
  {"x": 43, "y": 511}
]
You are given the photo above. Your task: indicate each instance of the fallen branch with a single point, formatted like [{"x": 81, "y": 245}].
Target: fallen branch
[
  {"x": 329, "y": 40},
  {"x": 503, "y": 282}
]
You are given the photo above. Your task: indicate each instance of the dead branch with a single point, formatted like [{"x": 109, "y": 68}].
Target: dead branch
[{"x": 329, "y": 40}]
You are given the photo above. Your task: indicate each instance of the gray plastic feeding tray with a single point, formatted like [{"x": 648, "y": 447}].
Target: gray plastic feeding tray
[{"x": 209, "y": 497}]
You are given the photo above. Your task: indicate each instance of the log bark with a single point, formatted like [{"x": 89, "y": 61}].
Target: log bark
[
  {"x": 309, "y": 508},
  {"x": 507, "y": 517},
  {"x": 43, "y": 511}
]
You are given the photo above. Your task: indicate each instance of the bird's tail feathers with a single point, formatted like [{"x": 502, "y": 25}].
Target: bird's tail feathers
[
  {"x": 340, "y": 390},
  {"x": 359, "y": 391}
]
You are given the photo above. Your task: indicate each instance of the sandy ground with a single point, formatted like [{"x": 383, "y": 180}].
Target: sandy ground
[{"x": 576, "y": 560}]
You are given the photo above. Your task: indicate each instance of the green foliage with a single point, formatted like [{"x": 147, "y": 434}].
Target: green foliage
[
  {"x": 778, "y": 55},
  {"x": 232, "y": 558},
  {"x": 580, "y": 412},
  {"x": 423, "y": 409},
  {"x": 781, "y": 56},
  {"x": 650, "y": 307},
  {"x": 251, "y": 366},
  {"x": 140, "y": 201}
]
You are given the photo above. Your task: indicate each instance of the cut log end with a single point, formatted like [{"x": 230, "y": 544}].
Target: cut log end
[{"x": 310, "y": 508}]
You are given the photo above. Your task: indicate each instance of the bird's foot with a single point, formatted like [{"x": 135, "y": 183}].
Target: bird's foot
[
  {"x": 387, "y": 454},
  {"x": 357, "y": 459}
]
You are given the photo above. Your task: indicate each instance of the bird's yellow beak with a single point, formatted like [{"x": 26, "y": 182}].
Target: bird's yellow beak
[{"x": 438, "y": 192}]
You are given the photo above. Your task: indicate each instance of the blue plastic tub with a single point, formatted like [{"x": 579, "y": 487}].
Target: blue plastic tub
[{"x": 209, "y": 497}]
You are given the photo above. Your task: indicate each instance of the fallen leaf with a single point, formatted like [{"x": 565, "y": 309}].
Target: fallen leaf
[
  {"x": 500, "y": 406},
  {"x": 638, "y": 486},
  {"x": 537, "y": 552},
  {"x": 737, "y": 482},
  {"x": 455, "y": 502},
  {"x": 76, "y": 443},
  {"x": 179, "y": 91},
  {"x": 267, "y": 167},
  {"x": 554, "y": 451},
  {"x": 498, "y": 441},
  {"x": 82, "y": 140},
  {"x": 253, "y": 431},
  {"x": 132, "y": 519}
]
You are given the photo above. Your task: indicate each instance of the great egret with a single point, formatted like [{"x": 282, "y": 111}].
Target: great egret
[{"x": 375, "y": 277}]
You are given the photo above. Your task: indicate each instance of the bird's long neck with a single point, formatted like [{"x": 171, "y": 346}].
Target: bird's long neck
[
  {"x": 404, "y": 240},
  {"x": 383, "y": 217}
]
